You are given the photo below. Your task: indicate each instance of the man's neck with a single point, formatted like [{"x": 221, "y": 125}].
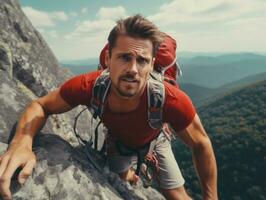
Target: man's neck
[{"x": 118, "y": 104}]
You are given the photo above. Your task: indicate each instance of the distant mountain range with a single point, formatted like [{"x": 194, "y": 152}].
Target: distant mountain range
[
  {"x": 215, "y": 71},
  {"x": 202, "y": 95},
  {"x": 80, "y": 69},
  {"x": 84, "y": 62},
  {"x": 236, "y": 125}
]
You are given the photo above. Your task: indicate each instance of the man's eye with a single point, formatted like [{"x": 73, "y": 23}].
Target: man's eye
[
  {"x": 142, "y": 61},
  {"x": 125, "y": 58}
]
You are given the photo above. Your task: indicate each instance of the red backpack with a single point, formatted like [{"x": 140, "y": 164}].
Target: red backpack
[{"x": 165, "y": 60}]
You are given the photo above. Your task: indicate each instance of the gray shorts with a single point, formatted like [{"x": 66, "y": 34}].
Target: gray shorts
[{"x": 169, "y": 173}]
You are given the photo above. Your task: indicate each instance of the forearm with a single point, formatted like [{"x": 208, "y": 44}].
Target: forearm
[
  {"x": 31, "y": 120},
  {"x": 205, "y": 165}
]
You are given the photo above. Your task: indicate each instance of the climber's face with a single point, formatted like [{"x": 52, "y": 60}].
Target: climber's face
[{"x": 130, "y": 63}]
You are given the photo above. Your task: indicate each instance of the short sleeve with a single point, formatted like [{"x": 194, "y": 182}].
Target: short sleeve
[
  {"x": 179, "y": 110},
  {"x": 78, "y": 90}
]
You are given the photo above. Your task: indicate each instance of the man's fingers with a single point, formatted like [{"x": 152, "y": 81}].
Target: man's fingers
[
  {"x": 4, "y": 187},
  {"x": 5, "y": 193},
  {"x": 26, "y": 171},
  {"x": 3, "y": 164},
  {"x": 6, "y": 178}
]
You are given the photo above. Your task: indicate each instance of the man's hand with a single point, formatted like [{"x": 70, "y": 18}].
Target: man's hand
[
  {"x": 19, "y": 153},
  {"x": 16, "y": 156}
]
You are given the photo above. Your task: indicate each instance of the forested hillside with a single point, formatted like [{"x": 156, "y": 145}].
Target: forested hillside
[
  {"x": 197, "y": 93},
  {"x": 236, "y": 125}
]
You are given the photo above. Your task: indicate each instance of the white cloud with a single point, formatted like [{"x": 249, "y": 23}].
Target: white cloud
[
  {"x": 206, "y": 11},
  {"x": 111, "y": 13},
  {"x": 59, "y": 15},
  {"x": 44, "y": 19},
  {"x": 52, "y": 34},
  {"x": 89, "y": 36},
  {"x": 221, "y": 25},
  {"x": 89, "y": 29},
  {"x": 100, "y": 27},
  {"x": 84, "y": 10},
  {"x": 74, "y": 14}
]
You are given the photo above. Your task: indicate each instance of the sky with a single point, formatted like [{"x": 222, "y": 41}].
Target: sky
[{"x": 79, "y": 29}]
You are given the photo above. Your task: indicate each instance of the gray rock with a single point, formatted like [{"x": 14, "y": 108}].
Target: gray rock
[
  {"x": 33, "y": 62},
  {"x": 64, "y": 172},
  {"x": 6, "y": 59},
  {"x": 33, "y": 71}
]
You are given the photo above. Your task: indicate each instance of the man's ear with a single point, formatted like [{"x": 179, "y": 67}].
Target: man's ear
[{"x": 107, "y": 59}]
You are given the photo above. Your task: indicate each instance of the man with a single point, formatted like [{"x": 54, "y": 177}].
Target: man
[{"x": 132, "y": 46}]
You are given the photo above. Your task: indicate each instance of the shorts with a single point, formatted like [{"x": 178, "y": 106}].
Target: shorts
[{"x": 170, "y": 176}]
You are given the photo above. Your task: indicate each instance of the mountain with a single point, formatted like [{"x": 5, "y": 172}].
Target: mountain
[
  {"x": 65, "y": 169},
  {"x": 80, "y": 66},
  {"x": 215, "y": 71},
  {"x": 88, "y": 61},
  {"x": 197, "y": 93},
  {"x": 236, "y": 125},
  {"x": 80, "y": 69},
  {"x": 229, "y": 88},
  {"x": 244, "y": 81}
]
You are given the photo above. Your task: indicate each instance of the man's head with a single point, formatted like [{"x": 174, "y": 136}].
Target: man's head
[{"x": 132, "y": 45}]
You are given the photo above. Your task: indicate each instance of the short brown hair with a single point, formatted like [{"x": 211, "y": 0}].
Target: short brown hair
[{"x": 136, "y": 26}]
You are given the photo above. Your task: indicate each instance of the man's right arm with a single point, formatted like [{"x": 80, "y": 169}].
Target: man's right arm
[{"x": 19, "y": 152}]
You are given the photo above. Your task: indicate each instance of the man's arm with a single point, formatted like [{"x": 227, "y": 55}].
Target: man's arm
[
  {"x": 19, "y": 152},
  {"x": 203, "y": 157}
]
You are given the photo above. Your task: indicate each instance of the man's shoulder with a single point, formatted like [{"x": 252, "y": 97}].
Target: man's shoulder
[
  {"x": 93, "y": 75},
  {"x": 171, "y": 89},
  {"x": 77, "y": 90},
  {"x": 85, "y": 80},
  {"x": 174, "y": 94}
]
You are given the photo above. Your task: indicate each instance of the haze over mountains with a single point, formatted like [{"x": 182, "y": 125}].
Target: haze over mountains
[{"x": 215, "y": 71}]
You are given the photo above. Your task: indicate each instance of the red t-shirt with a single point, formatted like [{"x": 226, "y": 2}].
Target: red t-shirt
[{"x": 132, "y": 128}]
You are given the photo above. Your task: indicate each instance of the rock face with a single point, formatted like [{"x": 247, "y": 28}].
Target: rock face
[
  {"x": 32, "y": 71},
  {"x": 28, "y": 69}
]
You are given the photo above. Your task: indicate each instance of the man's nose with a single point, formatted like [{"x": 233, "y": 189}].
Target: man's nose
[{"x": 133, "y": 68}]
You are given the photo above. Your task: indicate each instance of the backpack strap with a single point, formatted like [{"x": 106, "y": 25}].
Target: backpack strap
[
  {"x": 156, "y": 97},
  {"x": 99, "y": 94}
]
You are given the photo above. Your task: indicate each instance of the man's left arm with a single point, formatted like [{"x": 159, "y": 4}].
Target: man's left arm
[{"x": 203, "y": 157}]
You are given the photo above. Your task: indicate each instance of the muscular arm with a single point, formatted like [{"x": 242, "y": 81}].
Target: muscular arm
[
  {"x": 19, "y": 153},
  {"x": 35, "y": 115},
  {"x": 203, "y": 157}
]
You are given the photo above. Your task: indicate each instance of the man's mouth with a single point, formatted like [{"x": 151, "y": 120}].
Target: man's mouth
[{"x": 131, "y": 80}]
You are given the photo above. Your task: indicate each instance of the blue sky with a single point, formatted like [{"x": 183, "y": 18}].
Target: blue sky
[{"x": 79, "y": 29}]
